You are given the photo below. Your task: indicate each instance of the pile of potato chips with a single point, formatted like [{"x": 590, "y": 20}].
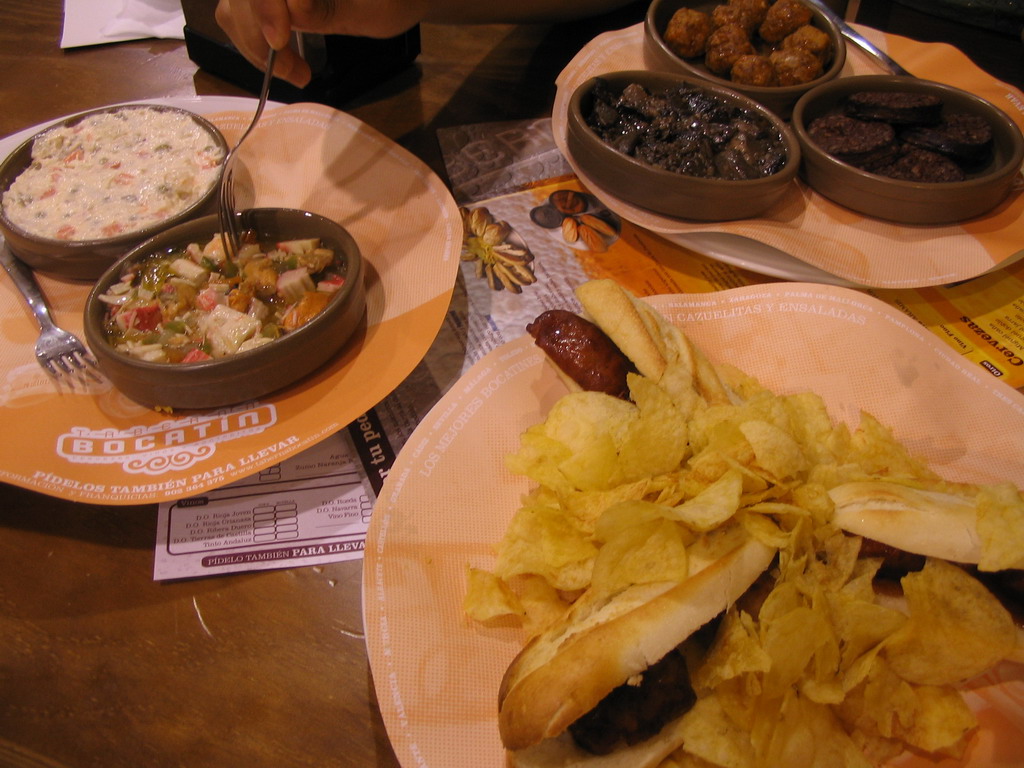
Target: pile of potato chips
[{"x": 820, "y": 671}]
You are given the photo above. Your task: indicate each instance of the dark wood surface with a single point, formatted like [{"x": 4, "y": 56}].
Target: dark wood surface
[
  {"x": 992, "y": 40},
  {"x": 99, "y": 664}
]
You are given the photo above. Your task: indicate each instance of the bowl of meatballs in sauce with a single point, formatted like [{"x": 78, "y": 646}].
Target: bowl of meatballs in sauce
[{"x": 772, "y": 51}]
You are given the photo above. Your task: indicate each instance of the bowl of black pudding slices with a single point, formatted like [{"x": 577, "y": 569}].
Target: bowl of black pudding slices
[{"x": 907, "y": 150}]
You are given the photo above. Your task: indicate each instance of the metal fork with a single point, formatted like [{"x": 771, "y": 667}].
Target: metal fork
[
  {"x": 61, "y": 354},
  {"x": 230, "y": 234}
]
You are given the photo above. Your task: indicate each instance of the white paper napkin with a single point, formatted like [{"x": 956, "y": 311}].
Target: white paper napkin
[{"x": 94, "y": 22}]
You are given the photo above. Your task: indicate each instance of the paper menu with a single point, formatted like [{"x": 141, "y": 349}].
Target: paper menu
[{"x": 311, "y": 508}]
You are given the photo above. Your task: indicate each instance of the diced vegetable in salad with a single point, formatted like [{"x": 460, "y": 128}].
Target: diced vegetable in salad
[{"x": 196, "y": 304}]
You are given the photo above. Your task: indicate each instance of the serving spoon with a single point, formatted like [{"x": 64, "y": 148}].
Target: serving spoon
[{"x": 859, "y": 40}]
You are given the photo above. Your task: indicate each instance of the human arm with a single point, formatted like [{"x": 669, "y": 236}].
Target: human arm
[{"x": 253, "y": 24}]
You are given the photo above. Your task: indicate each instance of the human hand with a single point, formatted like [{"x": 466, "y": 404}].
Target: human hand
[{"x": 255, "y": 25}]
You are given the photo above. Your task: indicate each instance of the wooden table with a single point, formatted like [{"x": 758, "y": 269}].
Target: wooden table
[{"x": 99, "y": 664}]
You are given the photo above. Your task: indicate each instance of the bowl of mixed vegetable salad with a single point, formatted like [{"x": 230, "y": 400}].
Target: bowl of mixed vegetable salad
[
  {"x": 176, "y": 323},
  {"x": 78, "y": 194}
]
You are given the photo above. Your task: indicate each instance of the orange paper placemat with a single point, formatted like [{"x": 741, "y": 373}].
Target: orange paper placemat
[
  {"x": 867, "y": 252},
  {"x": 449, "y": 497},
  {"x": 102, "y": 447}
]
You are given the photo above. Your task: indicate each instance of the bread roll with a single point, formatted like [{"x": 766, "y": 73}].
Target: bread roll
[
  {"x": 564, "y": 672},
  {"x": 925, "y": 522}
]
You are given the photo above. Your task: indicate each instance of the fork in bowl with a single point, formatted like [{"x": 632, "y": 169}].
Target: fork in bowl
[
  {"x": 60, "y": 353},
  {"x": 230, "y": 234}
]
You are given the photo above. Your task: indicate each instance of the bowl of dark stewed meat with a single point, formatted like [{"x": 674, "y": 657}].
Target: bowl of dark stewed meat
[
  {"x": 679, "y": 147},
  {"x": 773, "y": 51},
  {"x": 907, "y": 150}
]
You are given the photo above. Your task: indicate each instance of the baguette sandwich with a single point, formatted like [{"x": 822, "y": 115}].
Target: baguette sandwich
[
  {"x": 612, "y": 676},
  {"x": 583, "y": 681},
  {"x": 904, "y": 526}
]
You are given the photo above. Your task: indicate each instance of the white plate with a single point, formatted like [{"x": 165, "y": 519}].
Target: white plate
[{"x": 449, "y": 497}]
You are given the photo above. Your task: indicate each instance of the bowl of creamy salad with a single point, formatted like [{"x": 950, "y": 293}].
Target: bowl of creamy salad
[
  {"x": 78, "y": 194},
  {"x": 178, "y": 324}
]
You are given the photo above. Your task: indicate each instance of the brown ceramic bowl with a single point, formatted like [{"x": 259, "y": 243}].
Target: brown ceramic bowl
[
  {"x": 909, "y": 202},
  {"x": 87, "y": 259},
  {"x": 246, "y": 375},
  {"x": 658, "y": 55},
  {"x": 666, "y": 192}
]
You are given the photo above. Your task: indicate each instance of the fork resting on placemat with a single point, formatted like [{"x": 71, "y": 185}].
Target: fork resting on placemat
[{"x": 61, "y": 354}]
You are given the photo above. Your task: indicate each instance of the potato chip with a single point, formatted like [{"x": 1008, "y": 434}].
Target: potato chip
[
  {"x": 932, "y": 718},
  {"x": 942, "y": 721},
  {"x": 539, "y": 458},
  {"x": 878, "y": 453},
  {"x": 791, "y": 641},
  {"x": 765, "y": 406},
  {"x": 542, "y": 604},
  {"x": 862, "y": 581},
  {"x": 835, "y": 558},
  {"x": 706, "y": 426},
  {"x": 541, "y": 541},
  {"x": 488, "y": 598},
  {"x": 775, "y": 451},
  {"x": 784, "y": 598},
  {"x": 645, "y": 553},
  {"x": 595, "y": 466},
  {"x": 736, "y": 651},
  {"x": 804, "y": 734},
  {"x": 710, "y": 547},
  {"x": 577, "y": 444},
  {"x": 956, "y": 629},
  {"x": 580, "y": 416},
  {"x": 656, "y": 441},
  {"x": 764, "y": 529},
  {"x": 726, "y": 448},
  {"x": 814, "y": 498},
  {"x": 861, "y": 625},
  {"x": 1001, "y": 527},
  {"x": 822, "y": 683},
  {"x": 877, "y": 750},
  {"x": 627, "y": 514},
  {"x": 714, "y": 505},
  {"x": 585, "y": 508},
  {"x": 709, "y": 734}
]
